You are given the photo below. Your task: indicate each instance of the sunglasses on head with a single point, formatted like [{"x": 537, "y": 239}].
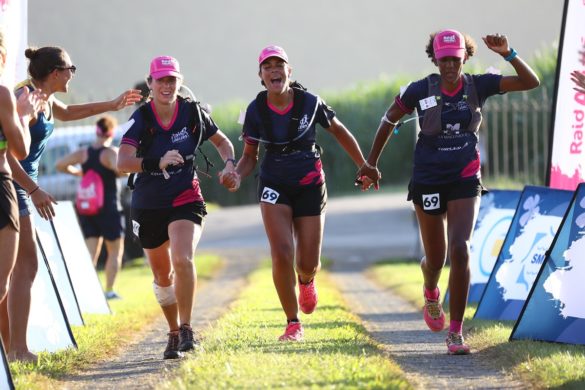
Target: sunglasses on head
[{"x": 72, "y": 68}]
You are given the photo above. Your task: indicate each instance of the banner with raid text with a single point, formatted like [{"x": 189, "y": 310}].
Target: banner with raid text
[
  {"x": 554, "y": 309},
  {"x": 536, "y": 220},
  {"x": 567, "y": 160}
]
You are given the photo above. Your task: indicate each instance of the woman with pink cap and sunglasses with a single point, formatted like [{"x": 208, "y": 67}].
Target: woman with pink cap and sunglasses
[
  {"x": 167, "y": 205},
  {"x": 446, "y": 183},
  {"x": 291, "y": 189}
]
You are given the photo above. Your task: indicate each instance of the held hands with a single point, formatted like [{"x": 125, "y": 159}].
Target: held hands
[
  {"x": 367, "y": 176},
  {"x": 579, "y": 79},
  {"x": 43, "y": 201},
  {"x": 497, "y": 43},
  {"x": 229, "y": 177},
  {"x": 127, "y": 98}
]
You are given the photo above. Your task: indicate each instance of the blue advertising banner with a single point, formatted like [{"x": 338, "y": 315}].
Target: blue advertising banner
[
  {"x": 533, "y": 228},
  {"x": 496, "y": 211},
  {"x": 554, "y": 310}
]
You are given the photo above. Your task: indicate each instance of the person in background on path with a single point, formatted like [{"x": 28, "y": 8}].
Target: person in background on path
[
  {"x": 167, "y": 205},
  {"x": 108, "y": 224},
  {"x": 446, "y": 185},
  {"x": 14, "y": 140},
  {"x": 291, "y": 190},
  {"x": 50, "y": 70}
]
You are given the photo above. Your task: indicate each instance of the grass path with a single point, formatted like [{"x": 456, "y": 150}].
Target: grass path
[
  {"x": 242, "y": 351},
  {"x": 538, "y": 364}
]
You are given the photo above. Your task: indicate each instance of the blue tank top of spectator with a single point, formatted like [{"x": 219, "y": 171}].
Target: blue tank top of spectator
[
  {"x": 39, "y": 135},
  {"x": 451, "y": 154},
  {"x": 111, "y": 201},
  {"x": 152, "y": 190},
  {"x": 301, "y": 167}
]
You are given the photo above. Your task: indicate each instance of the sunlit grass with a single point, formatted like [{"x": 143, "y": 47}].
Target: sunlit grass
[
  {"x": 539, "y": 363},
  {"x": 105, "y": 335},
  {"x": 242, "y": 350}
]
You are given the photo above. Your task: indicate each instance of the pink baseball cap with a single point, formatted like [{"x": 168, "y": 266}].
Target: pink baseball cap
[
  {"x": 165, "y": 66},
  {"x": 449, "y": 43},
  {"x": 272, "y": 51}
]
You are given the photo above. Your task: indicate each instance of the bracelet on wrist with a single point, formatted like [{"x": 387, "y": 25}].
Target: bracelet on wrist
[
  {"x": 150, "y": 164},
  {"x": 385, "y": 119},
  {"x": 512, "y": 55},
  {"x": 232, "y": 160},
  {"x": 33, "y": 191}
]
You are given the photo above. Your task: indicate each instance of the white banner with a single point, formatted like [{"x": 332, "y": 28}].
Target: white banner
[
  {"x": 567, "y": 168},
  {"x": 13, "y": 21}
]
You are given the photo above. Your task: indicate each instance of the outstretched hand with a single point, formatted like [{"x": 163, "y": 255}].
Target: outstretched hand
[
  {"x": 127, "y": 98},
  {"x": 497, "y": 43},
  {"x": 579, "y": 79}
]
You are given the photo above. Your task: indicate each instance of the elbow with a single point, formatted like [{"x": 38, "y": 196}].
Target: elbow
[{"x": 535, "y": 82}]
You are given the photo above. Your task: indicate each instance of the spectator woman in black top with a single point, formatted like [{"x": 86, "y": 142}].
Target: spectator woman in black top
[{"x": 108, "y": 224}]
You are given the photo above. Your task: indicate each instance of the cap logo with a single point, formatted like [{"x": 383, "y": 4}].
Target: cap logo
[
  {"x": 166, "y": 61},
  {"x": 449, "y": 39}
]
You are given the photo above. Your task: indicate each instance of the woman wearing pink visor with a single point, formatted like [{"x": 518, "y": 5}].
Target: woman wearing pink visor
[
  {"x": 291, "y": 190},
  {"x": 168, "y": 208},
  {"x": 446, "y": 180}
]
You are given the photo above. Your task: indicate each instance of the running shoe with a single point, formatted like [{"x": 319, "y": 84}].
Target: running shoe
[
  {"x": 307, "y": 296},
  {"x": 112, "y": 295},
  {"x": 172, "y": 350},
  {"x": 433, "y": 313},
  {"x": 187, "y": 340},
  {"x": 293, "y": 332},
  {"x": 456, "y": 345}
]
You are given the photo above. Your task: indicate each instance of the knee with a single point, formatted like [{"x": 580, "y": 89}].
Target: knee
[
  {"x": 165, "y": 296},
  {"x": 459, "y": 253},
  {"x": 282, "y": 253},
  {"x": 182, "y": 263}
]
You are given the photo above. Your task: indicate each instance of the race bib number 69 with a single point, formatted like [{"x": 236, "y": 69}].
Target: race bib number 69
[
  {"x": 269, "y": 195},
  {"x": 431, "y": 201}
]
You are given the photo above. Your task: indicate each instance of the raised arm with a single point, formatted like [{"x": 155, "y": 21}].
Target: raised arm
[
  {"x": 525, "y": 78},
  {"x": 72, "y": 112}
]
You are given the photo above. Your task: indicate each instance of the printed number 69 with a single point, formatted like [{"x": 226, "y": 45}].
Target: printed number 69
[
  {"x": 431, "y": 201},
  {"x": 269, "y": 195}
]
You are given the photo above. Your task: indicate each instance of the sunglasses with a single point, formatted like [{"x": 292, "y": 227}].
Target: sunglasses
[{"x": 72, "y": 68}]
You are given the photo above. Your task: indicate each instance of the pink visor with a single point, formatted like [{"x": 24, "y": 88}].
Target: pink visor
[
  {"x": 165, "y": 66},
  {"x": 449, "y": 43},
  {"x": 272, "y": 51}
]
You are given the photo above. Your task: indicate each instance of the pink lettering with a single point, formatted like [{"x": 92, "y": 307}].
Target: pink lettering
[{"x": 575, "y": 147}]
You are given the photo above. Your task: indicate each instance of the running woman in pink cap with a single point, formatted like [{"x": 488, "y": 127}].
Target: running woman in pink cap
[
  {"x": 50, "y": 70},
  {"x": 167, "y": 205},
  {"x": 446, "y": 183},
  {"x": 291, "y": 190}
]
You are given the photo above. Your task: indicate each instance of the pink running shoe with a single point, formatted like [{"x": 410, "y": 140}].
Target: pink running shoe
[
  {"x": 456, "y": 345},
  {"x": 307, "y": 296},
  {"x": 433, "y": 313},
  {"x": 293, "y": 332}
]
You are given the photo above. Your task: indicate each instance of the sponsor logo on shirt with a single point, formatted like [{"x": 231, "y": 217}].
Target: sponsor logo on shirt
[
  {"x": 180, "y": 136},
  {"x": 304, "y": 123}
]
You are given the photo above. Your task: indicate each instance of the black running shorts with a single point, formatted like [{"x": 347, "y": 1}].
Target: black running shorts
[
  {"x": 433, "y": 199},
  {"x": 305, "y": 201}
]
